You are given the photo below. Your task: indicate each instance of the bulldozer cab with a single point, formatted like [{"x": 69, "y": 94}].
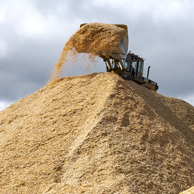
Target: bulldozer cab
[
  {"x": 134, "y": 66},
  {"x": 134, "y": 71}
]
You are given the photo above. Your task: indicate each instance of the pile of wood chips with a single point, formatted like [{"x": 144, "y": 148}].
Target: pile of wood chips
[{"x": 96, "y": 134}]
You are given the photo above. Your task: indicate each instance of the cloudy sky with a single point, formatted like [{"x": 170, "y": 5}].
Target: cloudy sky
[{"x": 33, "y": 33}]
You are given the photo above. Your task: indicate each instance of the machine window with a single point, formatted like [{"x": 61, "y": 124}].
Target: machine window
[
  {"x": 134, "y": 64},
  {"x": 140, "y": 67}
]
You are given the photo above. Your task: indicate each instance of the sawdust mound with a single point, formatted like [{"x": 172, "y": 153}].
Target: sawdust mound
[
  {"x": 97, "y": 39},
  {"x": 96, "y": 134}
]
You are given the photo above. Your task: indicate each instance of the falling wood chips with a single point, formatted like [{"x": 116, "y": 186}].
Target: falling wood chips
[
  {"x": 96, "y": 134},
  {"x": 97, "y": 39}
]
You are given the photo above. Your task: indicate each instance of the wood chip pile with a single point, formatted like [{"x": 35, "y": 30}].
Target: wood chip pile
[
  {"x": 93, "y": 38},
  {"x": 96, "y": 134}
]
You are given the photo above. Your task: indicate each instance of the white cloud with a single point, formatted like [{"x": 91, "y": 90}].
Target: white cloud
[
  {"x": 27, "y": 21},
  {"x": 3, "y": 105},
  {"x": 3, "y": 6},
  {"x": 159, "y": 10},
  {"x": 189, "y": 99}
]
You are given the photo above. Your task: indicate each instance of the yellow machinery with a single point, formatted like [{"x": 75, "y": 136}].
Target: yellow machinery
[
  {"x": 134, "y": 71},
  {"x": 128, "y": 65}
]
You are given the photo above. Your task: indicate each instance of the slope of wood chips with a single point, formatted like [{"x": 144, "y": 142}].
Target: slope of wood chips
[{"x": 96, "y": 134}]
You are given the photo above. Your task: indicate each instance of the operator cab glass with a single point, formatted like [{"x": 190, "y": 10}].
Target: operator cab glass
[
  {"x": 134, "y": 64},
  {"x": 125, "y": 64},
  {"x": 140, "y": 66}
]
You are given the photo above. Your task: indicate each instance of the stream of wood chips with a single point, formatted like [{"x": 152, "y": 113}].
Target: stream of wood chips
[{"x": 93, "y": 38}]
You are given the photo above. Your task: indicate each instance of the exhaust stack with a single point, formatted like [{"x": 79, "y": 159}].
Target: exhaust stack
[{"x": 148, "y": 72}]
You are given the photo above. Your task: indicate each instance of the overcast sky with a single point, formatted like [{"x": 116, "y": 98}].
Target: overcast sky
[{"x": 33, "y": 33}]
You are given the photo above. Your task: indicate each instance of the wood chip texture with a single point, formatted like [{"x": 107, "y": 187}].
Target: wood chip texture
[{"x": 96, "y": 134}]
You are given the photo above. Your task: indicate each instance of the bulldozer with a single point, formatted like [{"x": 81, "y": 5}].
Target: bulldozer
[{"x": 126, "y": 64}]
